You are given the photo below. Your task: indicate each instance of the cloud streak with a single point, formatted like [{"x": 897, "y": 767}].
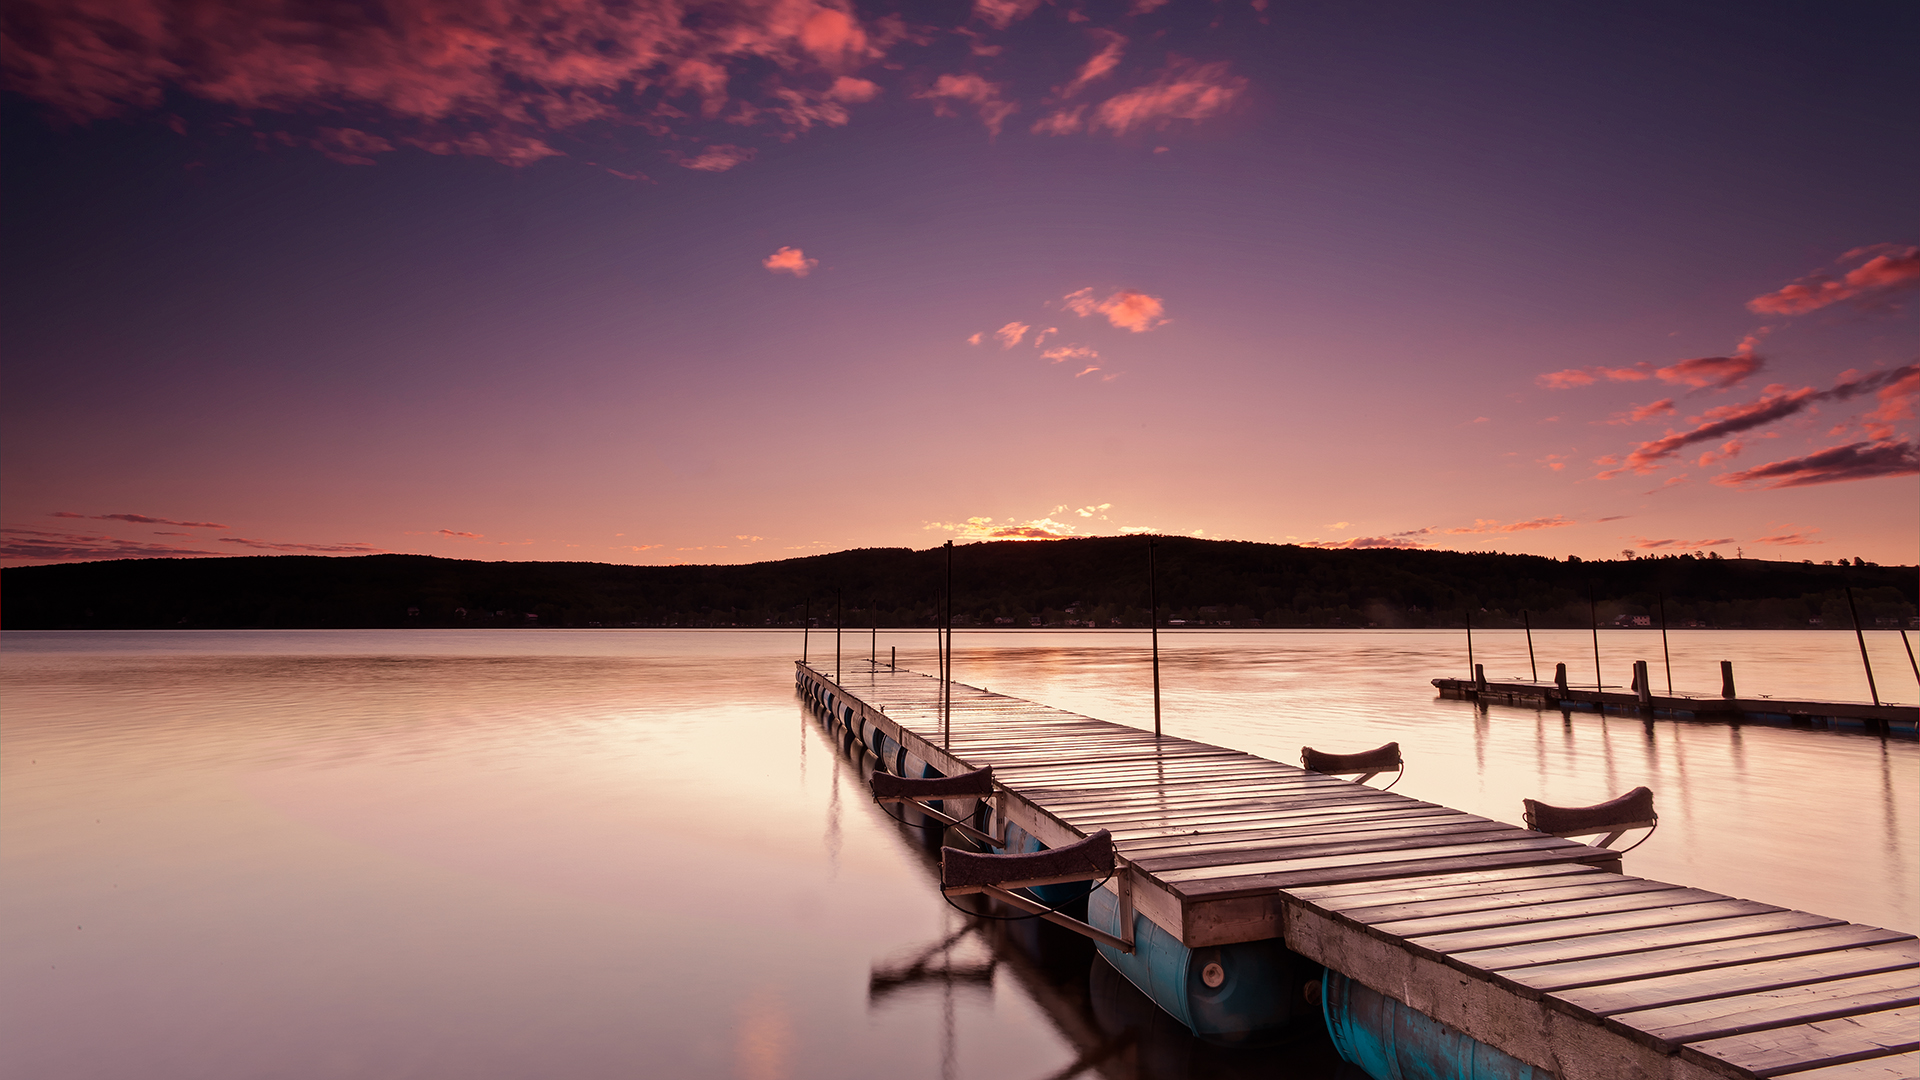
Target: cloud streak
[
  {"x": 1871, "y": 283},
  {"x": 790, "y": 260},
  {"x": 1834, "y": 465},
  {"x": 139, "y": 519},
  {"x": 1125, "y": 309}
]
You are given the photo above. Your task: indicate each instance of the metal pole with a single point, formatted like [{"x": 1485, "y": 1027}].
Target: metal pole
[
  {"x": 1593, "y": 621},
  {"x": 1469, "y": 644},
  {"x": 946, "y": 724},
  {"x": 836, "y": 636},
  {"x": 806, "y": 624},
  {"x": 873, "y": 643},
  {"x": 1153, "y": 621},
  {"x": 1667, "y": 655},
  {"x": 1851, "y": 610},
  {"x": 1528, "y": 621},
  {"x": 1910, "y": 660}
]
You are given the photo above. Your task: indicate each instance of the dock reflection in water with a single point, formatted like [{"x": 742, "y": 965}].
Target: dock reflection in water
[{"x": 601, "y": 853}]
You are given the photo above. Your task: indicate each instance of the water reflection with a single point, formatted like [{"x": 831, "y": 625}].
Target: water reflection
[{"x": 600, "y": 854}]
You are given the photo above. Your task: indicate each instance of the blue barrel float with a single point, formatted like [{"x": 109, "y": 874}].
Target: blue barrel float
[
  {"x": 1395, "y": 1041},
  {"x": 1223, "y": 993}
]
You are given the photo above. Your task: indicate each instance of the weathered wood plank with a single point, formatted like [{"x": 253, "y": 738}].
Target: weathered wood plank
[
  {"x": 1628, "y": 942},
  {"x": 1809, "y": 1046},
  {"x": 1561, "y": 919},
  {"x": 1273, "y": 873},
  {"x": 1269, "y": 852},
  {"x": 1891, "y": 1067},
  {"x": 1742, "y": 1013},
  {"x": 1559, "y": 929},
  {"x": 1437, "y": 886},
  {"x": 1495, "y": 898},
  {"x": 1692, "y": 983},
  {"x": 1344, "y": 871}
]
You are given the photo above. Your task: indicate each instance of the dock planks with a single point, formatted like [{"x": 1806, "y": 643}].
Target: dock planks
[{"x": 1534, "y": 944}]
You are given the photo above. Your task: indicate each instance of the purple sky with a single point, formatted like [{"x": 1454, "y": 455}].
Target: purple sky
[{"x": 736, "y": 281}]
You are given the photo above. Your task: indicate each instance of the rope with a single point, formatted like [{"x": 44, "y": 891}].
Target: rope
[{"x": 1644, "y": 839}]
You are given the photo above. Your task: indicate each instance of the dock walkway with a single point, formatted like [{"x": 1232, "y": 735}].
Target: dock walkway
[
  {"x": 1536, "y": 945},
  {"x": 1890, "y": 719}
]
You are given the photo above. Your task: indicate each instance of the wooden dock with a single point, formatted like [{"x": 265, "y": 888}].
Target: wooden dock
[
  {"x": 1902, "y": 719},
  {"x": 1535, "y": 945}
]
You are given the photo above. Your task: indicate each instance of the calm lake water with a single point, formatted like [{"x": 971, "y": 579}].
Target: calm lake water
[{"x": 633, "y": 853}]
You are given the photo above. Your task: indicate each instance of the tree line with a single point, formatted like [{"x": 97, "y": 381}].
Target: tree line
[{"x": 1100, "y": 582}]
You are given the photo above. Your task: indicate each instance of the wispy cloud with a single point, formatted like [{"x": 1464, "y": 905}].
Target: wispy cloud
[
  {"x": 1836, "y": 464},
  {"x": 1060, "y": 354},
  {"x": 1556, "y": 521},
  {"x": 950, "y": 91},
  {"x": 1777, "y": 404},
  {"x": 790, "y": 260},
  {"x": 1001, "y": 14},
  {"x": 454, "y": 534},
  {"x": 1011, "y": 334},
  {"x": 1184, "y": 90},
  {"x": 1688, "y": 545},
  {"x": 1798, "y": 538},
  {"x": 1663, "y": 407},
  {"x": 317, "y": 549},
  {"x": 716, "y": 158},
  {"x": 1112, "y": 47},
  {"x": 138, "y": 519},
  {"x": 46, "y": 545},
  {"x": 1872, "y": 282},
  {"x": 987, "y": 528}
]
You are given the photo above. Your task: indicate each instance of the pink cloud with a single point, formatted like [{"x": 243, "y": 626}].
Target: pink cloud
[
  {"x": 1062, "y": 353},
  {"x": 493, "y": 79},
  {"x": 1777, "y": 404},
  {"x": 1836, "y": 464},
  {"x": 1896, "y": 403},
  {"x": 324, "y": 549},
  {"x": 1719, "y": 372},
  {"x": 138, "y": 519},
  {"x": 1684, "y": 544},
  {"x": 1728, "y": 450},
  {"x": 790, "y": 260},
  {"x": 1088, "y": 370},
  {"x": 969, "y": 90},
  {"x": 1792, "y": 539},
  {"x": 1663, "y": 407},
  {"x": 1060, "y": 122},
  {"x": 1398, "y": 540},
  {"x": 1487, "y": 525},
  {"x": 1011, "y": 334},
  {"x": 974, "y": 338},
  {"x": 1184, "y": 90},
  {"x": 1112, "y": 48},
  {"x": 455, "y": 535},
  {"x": 1572, "y": 377},
  {"x": 716, "y": 158},
  {"x": 1000, "y": 14},
  {"x": 1871, "y": 282}
]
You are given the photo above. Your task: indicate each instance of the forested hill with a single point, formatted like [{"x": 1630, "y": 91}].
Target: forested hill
[{"x": 1096, "y": 581}]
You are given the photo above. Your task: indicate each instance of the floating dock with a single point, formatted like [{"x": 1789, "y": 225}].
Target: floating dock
[
  {"x": 1536, "y": 946},
  {"x": 1889, "y": 719}
]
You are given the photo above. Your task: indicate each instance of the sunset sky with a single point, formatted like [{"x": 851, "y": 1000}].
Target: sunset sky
[{"x": 725, "y": 282}]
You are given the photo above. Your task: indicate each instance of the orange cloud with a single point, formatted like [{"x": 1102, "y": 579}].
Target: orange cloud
[
  {"x": 1792, "y": 539},
  {"x": 454, "y": 535},
  {"x": 1011, "y": 334},
  {"x": 1872, "y": 281},
  {"x": 969, "y": 90},
  {"x": 1720, "y": 372},
  {"x": 1836, "y": 464},
  {"x": 1486, "y": 525},
  {"x": 1126, "y": 309},
  {"x": 790, "y": 260},
  {"x": 1689, "y": 545},
  {"x": 1896, "y": 403},
  {"x": 974, "y": 338},
  {"x": 1572, "y": 377},
  {"x": 985, "y": 528},
  {"x": 1183, "y": 91}
]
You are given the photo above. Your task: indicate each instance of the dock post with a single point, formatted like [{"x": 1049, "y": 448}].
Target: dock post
[
  {"x": 1593, "y": 620},
  {"x": 1910, "y": 661},
  {"x": 1153, "y": 621},
  {"x": 893, "y": 657},
  {"x": 1480, "y": 678},
  {"x": 1560, "y": 677},
  {"x": 1470, "y": 664},
  {"x": 1855, "y": 612},
  {"x": 836, "y": 635},
  {"x": 806, "y": 627},
  {"x": 1532, "y": 664},
  {"x": 1726, "y": 680},
  {"x": 1641, "y": 684},
  {"x": 946, "y": 684},
  {"x": 1665, "y": 653}
]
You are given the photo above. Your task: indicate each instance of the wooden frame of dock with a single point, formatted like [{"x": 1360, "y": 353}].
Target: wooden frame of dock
[{"x": 1535, "y": 945}]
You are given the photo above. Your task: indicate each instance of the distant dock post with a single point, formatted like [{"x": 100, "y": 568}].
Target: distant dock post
[
  {"x": 1533, "y": 665},
  {"x": 1726, "y": 680},
  {"x": 1560, "y": 677},
  {"x": 1642, "y": 684},
  {"x": 1868, "y": 664}
]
